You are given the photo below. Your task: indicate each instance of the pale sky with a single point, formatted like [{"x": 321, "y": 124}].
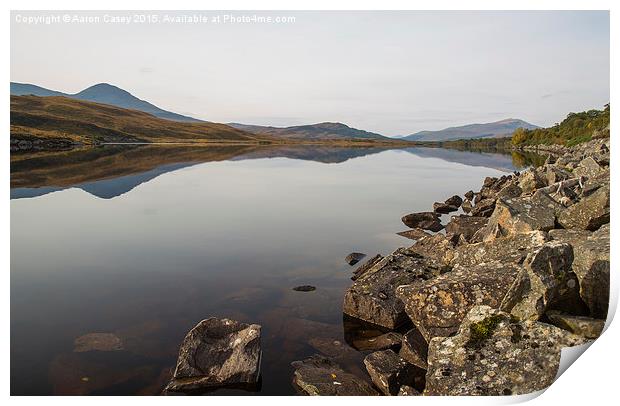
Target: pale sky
[{"x": 395, "y": 73}]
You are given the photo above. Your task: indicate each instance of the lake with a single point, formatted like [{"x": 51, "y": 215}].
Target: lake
[{"x": 145, "y": 241}]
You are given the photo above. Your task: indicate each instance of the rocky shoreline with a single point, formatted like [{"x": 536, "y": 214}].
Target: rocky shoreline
[{"x": 482, "y": 305}]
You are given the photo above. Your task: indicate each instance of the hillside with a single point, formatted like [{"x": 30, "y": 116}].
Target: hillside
[
  {"x": 62, "y": 120},
  {"x": 574, "y": 129},
  {"x": 502, "y": 128},
  {"x": 102, "y": 93},
  {"x": 320, "y": 131}
]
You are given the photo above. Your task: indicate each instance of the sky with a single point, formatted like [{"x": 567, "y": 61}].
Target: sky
[{"x": 394, "y": 73}]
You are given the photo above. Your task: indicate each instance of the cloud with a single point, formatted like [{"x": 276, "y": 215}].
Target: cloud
[{"x": 146, "y": 70}]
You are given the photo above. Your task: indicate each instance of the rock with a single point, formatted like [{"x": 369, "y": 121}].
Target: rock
[
  {"x": 98, "y": 342},
  {"x": 425, "y": 220},
  {"x": 588, "y": 168},
  {"x": 319, "y": 376},
  {"x": 437, "y": 247},
  {"x": 354, "y": 257},
  {"x": 390, "y": 340},
  {"x": 444, "y": 208},
  {"x": 414, "y": 234},
  {"x": 493, "y": 355},
  {"x": 372, "y": 296},
  {"x": 469, "y": 195},
  {"x": 414, "y": 348},
  {"x": 389, "y": 372},
  {"x": 330, "y": 347},
  {"x": 466, "y": 206},
  {"x": 591, "y": 266},
  {"x": 407, "y": 390},
  {"x": 579, "y": 325},
  {"x": 511, "y": 249},
  {"x": 554, "y": 174},
  {"x": 218, "y": 353},
  {"x": 589, "y": 213},
  {"x": 454, "y": 201},
  {"x": 465, "y": 225},
  {"x": 546, "y": 276},
  {"x": 437, "y": 306},
  {"x": 510, "y": 191},
  {"x": 483, "y": 208},
  {"x": 360, "y": 270},
  {"x": 304, "y": 288},
  {"x": 593, "y": 184},
  {"x": 531, "y": 180}
]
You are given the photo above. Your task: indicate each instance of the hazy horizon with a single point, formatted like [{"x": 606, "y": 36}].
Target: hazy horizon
[{"x": 394, "y": 73}]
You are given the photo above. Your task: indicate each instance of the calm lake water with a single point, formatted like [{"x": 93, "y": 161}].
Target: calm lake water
[{"x": 145, "y": 242}]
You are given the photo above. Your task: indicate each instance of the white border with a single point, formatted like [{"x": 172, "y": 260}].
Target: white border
[{"x": 591, "y": 380}]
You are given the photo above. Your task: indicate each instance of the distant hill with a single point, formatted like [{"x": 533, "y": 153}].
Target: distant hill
[
  {"x": 102, "y": 93},
  {"x": 320, "y": 131},
  {"x": 61, "y": 119},
  {"x": 502, "y": 128}
]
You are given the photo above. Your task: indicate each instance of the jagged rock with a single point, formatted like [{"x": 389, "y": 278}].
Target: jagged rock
[
  {"x": 591, "y": 265},
  {"x": 588, "y": 167},
  {"x": 437, "y": 247},
  {"x": 407, "y": 390},
  {"x": 444, "y": 208},
  {"x": 591, "y": 185},
  {"x": 466, "y": 206},
  {"x": 218, "y": 353},
  {"x": 389, "y": 372},
  {"x": 390, "y": 340},
  {"x": 360, "y": 270},
  {"x": 304, "y": 288},
  {"x": 469, "y": 195},
  {"x": 545, "y": 277},
  {"x": 511, "y": 190},
  {"x": 466, "y": 225},
  {"x": 372, "y": 296},
  {"x": 531, "y": 180},
  {"x": 319, "y": 376},
  {"x": 331, "y": 348},
  {"x": 511, "y": 249},
  {"x": 589, "y": 213},
  {"x": 98, "y": 342},
  {"x": 483, "y": 208},
  {"x": 426, "y": 220},
  {"x": 414, "y": 234},
  {"x": 414, "y": 349},
  {"x": 354, "y": 257},
  {"x": 579, "y": 325},
  {"x": 455, "y": 200},
  {"x": 554, "y": 174},
  {"x": 494, "y": 355},
  {"x": 437, "y": 306}
]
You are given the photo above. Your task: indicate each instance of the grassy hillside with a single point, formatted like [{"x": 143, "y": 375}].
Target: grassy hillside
[
  {"x": 574, "y": 129},
  {"x": 83, "y": 122},
  {"x": 319, "y": 131}
]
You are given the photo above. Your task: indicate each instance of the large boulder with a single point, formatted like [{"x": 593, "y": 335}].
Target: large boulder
[
  {"x": 483, "y": 208},
  {"x": 320, "y": 376},
  {"x": 218, "y": 353},
  {"x": 426, "y": 220},
  {"x": 589, "y": 213},
  {"x": 437, "y": 247},
  {"x": 531, "y": 180},
  {"x": 389, "y": 372},
  {"x": 493, "y": 354},
  {"x": 437, "y": 306},
  {"x": 414, "y": 348},
  {"x": 466, "y": 226},
  {"x": 591, "y": 266},
  {"x": 372, "y": 296},
  {"x": 546, "y": 276},
  {"x": 588, "y": 168}
]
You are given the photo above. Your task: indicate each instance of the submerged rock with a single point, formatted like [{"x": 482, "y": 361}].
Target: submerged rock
[
  {"x": 390, "y": 340},
  {"x": 304, "y": 288},
  {"x": 218, "y": 353},
  {"x": 354, "y": 257},
  {"x": 372, "y": 296},
  {"x": 494, "y": 355},
  {"x": 98, "y": 342},
  {"x": 426, "y": 220},
  {"x": 320, "y": 376},
  {"x": 579, "y": 325},
  {"x": 389, "y": 372}
]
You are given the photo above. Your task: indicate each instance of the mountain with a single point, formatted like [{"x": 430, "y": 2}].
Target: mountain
[
  {"x": 60, "y": 120},
  {"x": 102, "y": 93},
  {"x": 320, "y": 131},
  {"x": 502, "y": 128}
]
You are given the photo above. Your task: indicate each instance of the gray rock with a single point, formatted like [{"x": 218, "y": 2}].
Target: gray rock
[
  {"x": 426, "y": 220},
  {"x": 389, "y": 372},
  {"x": 372, "y": 296},
  {"x": 589, "y": 213},
  {"x": 444, "y": 208},
  {"x": 414, "y": 348},
  {"x": 494, "y": 355},
  {"x": 466, "y": 226},
  {"x": 360, "y": 270},
  {"x": 511, "y": 190},
  {"x": 588, "y": 168},
  {"x": 437, "y": 306},
  {"x": 483, "y": 208},
  {"x": 469, "y": 195},
  {"x": 580, "y": 325},
  {"x": 98, "y": 342},
  {"x": 437, "y": 247},
  {"x": 354, "y": 257},
  {"x": 217, "y": 353},
  {"x": 413, "y": 234},
  {"x": 320, "y": 376},
  {"x": 390, "y": 340},
  {"x": 511, "y": 249},
  {"x": 531, "y": 180}
]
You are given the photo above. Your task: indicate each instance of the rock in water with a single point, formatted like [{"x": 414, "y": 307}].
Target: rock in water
[
  {"x": 454, "y": 201},
  {"x": 360, "y": 270},
  {"x": 493, "y": 355},
  {"x": 319, "y": 376},
  {"x": 372, "y": 296},
  {"x": 385, "y": 341},
  {"x": 218, "y": 353},
  {"x": 304, "y": 288},
  {"x": 354, "y": 257},
  {"x": 426, "y": 220},
  {"x": 98, "y": 342},
  {"x": 389, "y": 372},
  {"x": 444, "y": 208}
]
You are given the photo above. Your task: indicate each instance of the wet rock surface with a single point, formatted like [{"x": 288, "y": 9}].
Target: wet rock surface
[
  {"x": 320, "y": 376},
  {"x": 354, "y": 257},
  {"x": 304, "y": 288},
  {"x": 98, "y": 342}
]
